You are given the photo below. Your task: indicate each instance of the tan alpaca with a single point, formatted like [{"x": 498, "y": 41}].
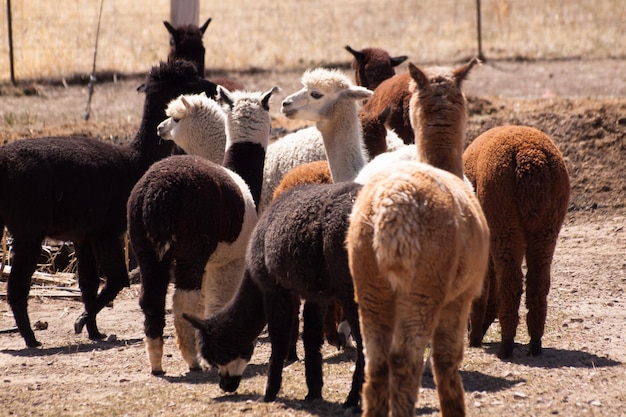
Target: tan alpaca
[{"x": 418, "y": 246}]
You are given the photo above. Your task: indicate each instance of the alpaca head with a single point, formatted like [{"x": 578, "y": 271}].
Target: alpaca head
[
  {"x": 230, "y": 359},
  {"x": 186, "y": 43},
  {"x": 438, "y": 115},
  {"x": 247, "y": 115},
  {"x": 373, "y": 65},
  {"x": 324, "y": 91},
  {"x": 195, "y": 123}
]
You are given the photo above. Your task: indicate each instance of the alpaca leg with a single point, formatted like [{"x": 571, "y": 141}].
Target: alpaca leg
[
  {"x": 292, "y": 355},
  {"x": 109, "y": 253},
  {"x": 484, "y": 310},
  {"x": 190, "y": 302},
  {"x": 18, "y": 286},
  {"x": 279, "y": 311},
  {"x": 510, "y": 282},
  {"x": 414, "y": 323},
  {"x": 376, "y": 323},
  {"x": 350, "y": 311},
  {"x": 330, "y": 327},
  {"x": 539, "y": 260},
  {"x": 313, "y": 338},
  {"x": 154, "y": 282},
  {"x": 89, "y": 282},
  {"x": 447, "y": 354}
]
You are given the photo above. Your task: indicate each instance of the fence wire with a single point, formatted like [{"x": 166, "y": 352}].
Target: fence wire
[{"x": 56, "y": 38}]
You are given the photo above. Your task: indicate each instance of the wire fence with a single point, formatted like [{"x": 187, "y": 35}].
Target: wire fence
[{"x": 55, "y": 39}]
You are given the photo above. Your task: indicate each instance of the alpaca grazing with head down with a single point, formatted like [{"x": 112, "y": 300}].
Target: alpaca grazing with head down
[
  {"x": 418, "y": 246},
  {"x": 523, "y": 186},
  {"x": 297, "y": 251}
]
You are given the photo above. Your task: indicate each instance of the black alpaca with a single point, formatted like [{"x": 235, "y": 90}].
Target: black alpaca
[{"x": 75, "y": 188}]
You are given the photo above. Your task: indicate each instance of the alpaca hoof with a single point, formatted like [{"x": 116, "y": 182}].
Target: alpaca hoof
[
  {"x": 33, "y": 343},
  {"x": 291, "y": 359},
  {"x": 313, "y": 397},
  {"x": 506, "y": 350},
  {"x": 195, "y": 368},
  {"x": 80, "y": 322},
  {"x": 158, "y": 372},
  {"x": 535, "y": 349},
  {"x": 269, "y": 398}
]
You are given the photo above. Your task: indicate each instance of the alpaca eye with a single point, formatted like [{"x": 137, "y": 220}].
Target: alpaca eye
[
  {"x": 316, "y": 95},
  {"x": 175, "y": 120}
]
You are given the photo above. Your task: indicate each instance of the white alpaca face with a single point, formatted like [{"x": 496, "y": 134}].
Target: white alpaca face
[
  {"x": 308, "y": 104},
  {"x": 165, "y": 128}
]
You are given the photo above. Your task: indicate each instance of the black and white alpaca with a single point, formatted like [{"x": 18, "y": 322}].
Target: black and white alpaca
[
  {"x": 190, "y": 219},
  {"x": 297, "y": 251},
  {"x": 75, "y": 189}
]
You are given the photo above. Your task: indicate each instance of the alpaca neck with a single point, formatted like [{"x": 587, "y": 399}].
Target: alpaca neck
[
  {"x": 343, "y": 142},
  {"x": 247, "y": 160},
  {"x": 148, "y": 146},
  {"x": 440, "y": 143},
  {"x": 243, "y": 318}
]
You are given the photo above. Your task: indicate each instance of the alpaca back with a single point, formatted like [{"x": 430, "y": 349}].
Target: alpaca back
[
  {"x": 518, "y": 170},
  {"x": 429, "y": 202}
]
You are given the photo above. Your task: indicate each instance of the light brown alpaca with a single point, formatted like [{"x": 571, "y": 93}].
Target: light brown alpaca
[
  {"x": 522, "y": 183},
  {"x": 418, "y": 246}
]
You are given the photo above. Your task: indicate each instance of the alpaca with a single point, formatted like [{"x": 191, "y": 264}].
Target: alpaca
[
  {"x": 211, "y": 211},
  {"x": 306, "y": 145},
  {"x": 75, "y": 189},
  {"x": 186, "y": 43},
  {"x": 373, "y": 65},
  {"x": 394, "y": 91},
  {"x": 297, "y": 248},
  {"x": 196, "y": 124},
  {"x": 418, "y": 247},
  {"x": 522, "y": 183}
]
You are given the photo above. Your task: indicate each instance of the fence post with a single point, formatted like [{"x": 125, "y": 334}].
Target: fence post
[
  {"x": 184, "y": 12},
  {"x": 10, "y": 29},
  {"x": 479, "y": 29}
]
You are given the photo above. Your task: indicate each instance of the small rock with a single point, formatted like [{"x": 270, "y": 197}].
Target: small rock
[
  {"x": 519, "y": 395},
  {"x": 40, "y": 325},
  {"x": 596, "y": 403},
  {"x": 112, "y": 338}
]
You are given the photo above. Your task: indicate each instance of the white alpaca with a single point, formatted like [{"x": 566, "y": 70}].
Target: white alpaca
[
  {"x": 329, "y": 98},
  {"x": 196, "y": 123}
]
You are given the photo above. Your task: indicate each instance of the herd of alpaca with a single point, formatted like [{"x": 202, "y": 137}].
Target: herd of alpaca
[{"x": 419, "y": 246}]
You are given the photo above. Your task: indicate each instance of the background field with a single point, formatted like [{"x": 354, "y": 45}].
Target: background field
[{"x": 56, "y": 38}]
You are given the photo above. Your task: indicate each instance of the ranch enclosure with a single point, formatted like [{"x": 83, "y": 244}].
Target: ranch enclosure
[
  {"x": 56, "y": 39},
  {"x": 558, "y": 66}
]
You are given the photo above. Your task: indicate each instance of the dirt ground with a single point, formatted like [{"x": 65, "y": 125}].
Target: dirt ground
[{"x": 581, "y": 104}]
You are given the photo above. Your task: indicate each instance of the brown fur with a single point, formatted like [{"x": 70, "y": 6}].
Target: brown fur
[
  {"x": 394, "y": 91},
  {"x": 523, "y": 185},
  {"x": 418, "y": 247}
]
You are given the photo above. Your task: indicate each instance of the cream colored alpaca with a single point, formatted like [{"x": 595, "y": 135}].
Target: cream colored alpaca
[
  {"x": 329, "y": 98},
  {"x": 418, "y": 245},
  {"x": 197, "y": 124}
]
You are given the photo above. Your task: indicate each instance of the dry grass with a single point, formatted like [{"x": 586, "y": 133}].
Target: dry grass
[{"x": 265, "y": 34}]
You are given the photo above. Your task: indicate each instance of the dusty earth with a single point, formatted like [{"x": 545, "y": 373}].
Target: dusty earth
[{"x": 581, "y": 104}]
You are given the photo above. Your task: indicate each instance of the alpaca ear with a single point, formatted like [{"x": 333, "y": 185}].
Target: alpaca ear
[
  {"x": 460, "y": 73},
  {"x": 186, "y": 103},
  {"x": 206, "y": 25},
  {"x": 356, "y": 93},
  {"x": 266, "y": 98},
  {"x": 196, "y": 322},
  {"x": 169, "y": 27},
  {"x": 382, "y": 116},
  {"x": 418, "y": 75},
  {"x": 356, "y": 54},
  {"x": 224, "y": 96},
  {"x": 397, "y": 60}
]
